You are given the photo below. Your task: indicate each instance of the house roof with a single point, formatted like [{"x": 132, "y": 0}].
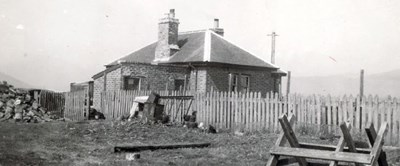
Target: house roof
[
  {"x": 279, "y": 72},
  {"x": 199, "y": 46}
]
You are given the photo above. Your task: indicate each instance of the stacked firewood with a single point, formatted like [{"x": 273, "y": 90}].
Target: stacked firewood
[{"x": 18, "y": 106}]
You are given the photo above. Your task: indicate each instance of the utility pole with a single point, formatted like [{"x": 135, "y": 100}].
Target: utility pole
[
  {"x": 361, "y": 83},
  {"x": 273, "y": 35}
]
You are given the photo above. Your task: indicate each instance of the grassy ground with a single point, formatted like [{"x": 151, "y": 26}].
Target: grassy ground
[{"x": 91, "y": 143}]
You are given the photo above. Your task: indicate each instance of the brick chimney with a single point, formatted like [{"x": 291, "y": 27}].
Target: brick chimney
[
  {"x": 167, "y": 43},
  {"x": 216, "y": 28}
]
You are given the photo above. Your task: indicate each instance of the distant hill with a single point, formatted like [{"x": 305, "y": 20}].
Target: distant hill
[
  {"x": 382, "y": 84},
  {"x": 13, "y": 81}
]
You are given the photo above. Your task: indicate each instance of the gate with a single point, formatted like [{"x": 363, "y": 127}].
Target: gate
[{"x": 76, "y": 105}]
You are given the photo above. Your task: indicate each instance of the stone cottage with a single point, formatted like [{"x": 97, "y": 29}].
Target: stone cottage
[{"x": 197, "y": 60}]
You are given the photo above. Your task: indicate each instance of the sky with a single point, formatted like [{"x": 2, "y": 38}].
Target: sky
[{"x": 51, "y": 43}]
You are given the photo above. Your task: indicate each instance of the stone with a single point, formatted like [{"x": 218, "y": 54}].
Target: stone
[
  {"x": 9, "y": 110},
  {"x": 18, "y": 116},
  {"x": 132, "y": 156}
]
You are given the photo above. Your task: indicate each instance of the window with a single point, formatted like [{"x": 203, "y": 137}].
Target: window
[
  {"x": 131, "y": 83},
  {"x": 233, "y": 82},
  {"x": 179, "y": 84},
  {"x": 245, "y": 83},
  {"x": 239, "y": 82}
]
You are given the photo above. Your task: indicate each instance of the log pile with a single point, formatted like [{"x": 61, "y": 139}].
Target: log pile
[{"x": 17, "y": 105}]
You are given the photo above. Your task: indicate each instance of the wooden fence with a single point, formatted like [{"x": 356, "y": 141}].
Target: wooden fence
[
  {"x": 252, "y": 112},
  {"x": 115, "y": 104},
  {"x": 76, "y": 107},
  {"x": 256, "y": 111},
  {"x": 52, "y": 102}
]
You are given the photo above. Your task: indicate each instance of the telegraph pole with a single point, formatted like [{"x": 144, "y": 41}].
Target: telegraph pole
[
  {"x": 361, "y": 83},
  {"x": 273, "y": 35}
]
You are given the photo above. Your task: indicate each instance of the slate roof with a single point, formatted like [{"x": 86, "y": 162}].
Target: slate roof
[{"x": 199, "y": 46}]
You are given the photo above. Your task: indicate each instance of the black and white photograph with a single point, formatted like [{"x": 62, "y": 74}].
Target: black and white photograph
[{"x": 211, "y": 82}]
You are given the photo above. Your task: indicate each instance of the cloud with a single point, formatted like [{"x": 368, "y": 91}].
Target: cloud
[{"x": 20, "y": 26}]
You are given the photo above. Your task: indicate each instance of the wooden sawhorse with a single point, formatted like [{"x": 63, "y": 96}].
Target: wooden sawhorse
[{"x": 334, "y": 154}]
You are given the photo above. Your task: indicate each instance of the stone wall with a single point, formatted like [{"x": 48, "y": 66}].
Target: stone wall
[
  {"x": 198, "y": 79},
  {"x": 202, "y": 79},
  {"x": 113, "y": 79},
  {"x": 156, "y": 77}
]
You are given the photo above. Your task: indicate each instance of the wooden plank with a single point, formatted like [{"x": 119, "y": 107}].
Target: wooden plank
[
  {"x": 245, "y": 111},
  {"x": 263, "y": 114},
  {"x": 329, "y": 112},
  {"x": 396, "y": 121},
  {"x": 322, "y": 154},
  {"x": 268, "y": 116},
  {"x": 273, "y": 160},
  {"x": 348, "y": 139},
  {"x": 228, "y": 110},
  {"x": 369, "y": 110},
  {"x": 251, "y": 111},
  {"x": 358, "y": 113},
  {"x": 372, "y": 136},
  {"x": 340, "y": 110},
  {"x": 331, "y": 147},
  {"x": 378, "y": 144},
  {"x": 311, "y": 111},
  {"x": 290, "y": 136},
  {"x": 259, "y": 111},
  {"x": 242, "y": 111},
  {"x": 319, "y": 113},
  {"x": 389, "y": 115},
  {"x": 341, "y": 144},
  {"x": 334, "y": 114},
  {"x": 235, "y": 111},
  {"x": 221, "y": 109},
  {"x": 376, "y": 111},
  {"x": 363, "y": 112},
  {"x": 209, "y": 108},
  {"x": 138, "y": 148},
  {"x": 276, "y": 112}
]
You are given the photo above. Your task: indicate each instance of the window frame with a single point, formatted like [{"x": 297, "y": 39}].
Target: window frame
[
  {"x": 246, "y": 83},
  {"x": 126, "y": 82},
  {"x": 233, "y": 82}
]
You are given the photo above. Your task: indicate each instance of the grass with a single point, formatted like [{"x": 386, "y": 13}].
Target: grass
[{"x": 92, "y": 142}]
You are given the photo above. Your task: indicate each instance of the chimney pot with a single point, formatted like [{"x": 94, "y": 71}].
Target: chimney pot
[
  {"x": 216, "y": 23},
  {"x": 172, "y": 13},
  {"x": 216, "y": 27}
]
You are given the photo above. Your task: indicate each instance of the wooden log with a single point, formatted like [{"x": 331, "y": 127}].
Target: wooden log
[{"x": 138, "y": 148}]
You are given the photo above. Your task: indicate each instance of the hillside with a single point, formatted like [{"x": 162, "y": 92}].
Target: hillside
[
  {"x": 382, "y": 84},
  {"x": 13, "y": 81}
]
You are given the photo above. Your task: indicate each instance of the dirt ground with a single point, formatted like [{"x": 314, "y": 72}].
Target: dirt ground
[{"x": 92, "y": 142}]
